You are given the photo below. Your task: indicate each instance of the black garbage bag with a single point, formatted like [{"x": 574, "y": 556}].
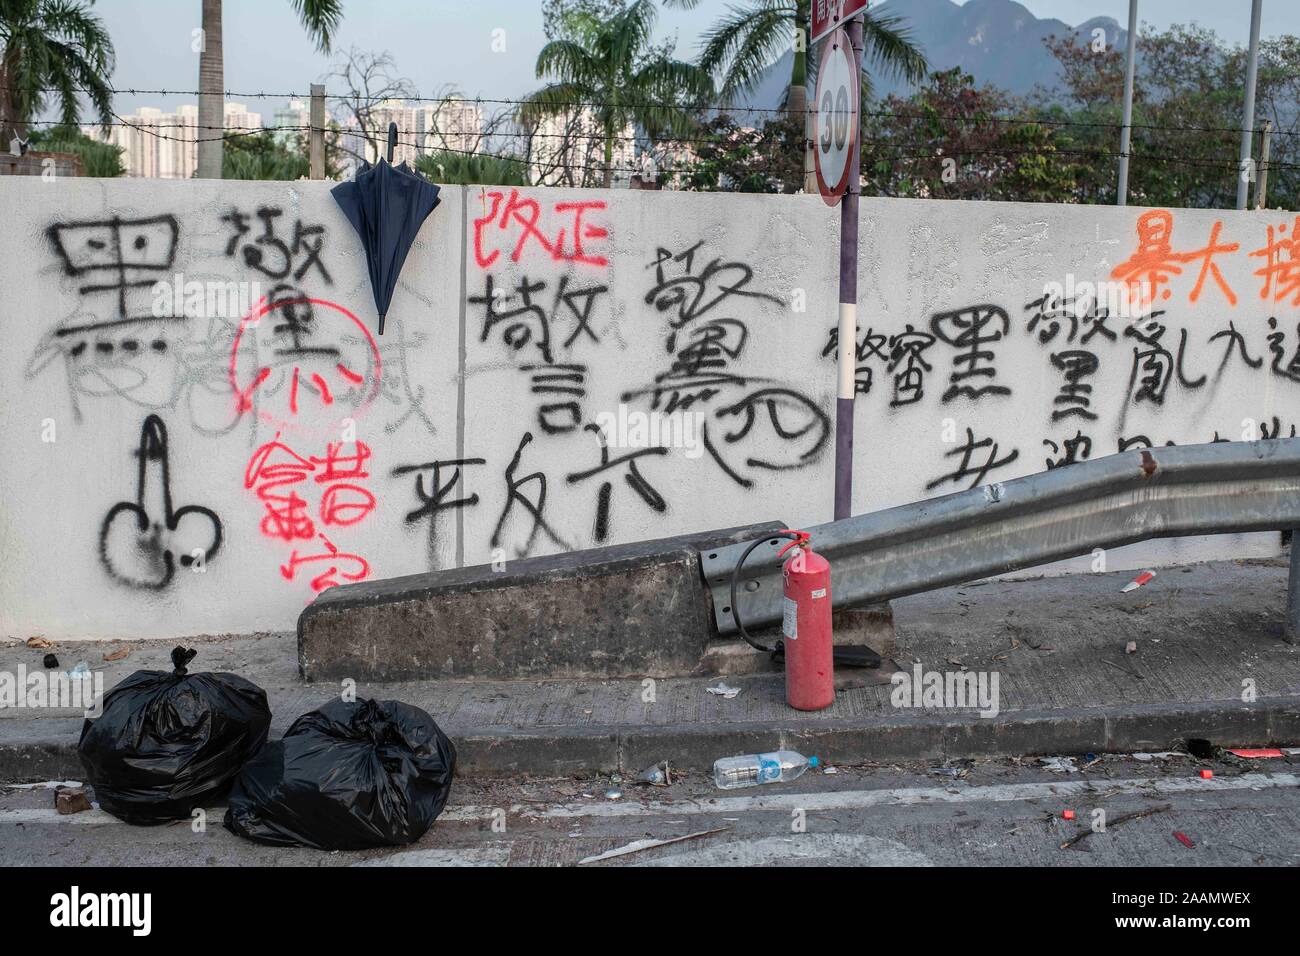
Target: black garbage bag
[
  {"x": 170, "y": 741},
  {"x": 349, "y": 776}
]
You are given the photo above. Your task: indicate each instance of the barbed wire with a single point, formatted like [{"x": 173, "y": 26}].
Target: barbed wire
[
  {"x": 1226, "y": 164},
  {"x": 704, "y": 107},
  {"x": 931, "y": 154},
  {"x": 563, "y": 163},
  {"x": 377, "y": 132},
  {"x": 254, "y": 130},
  {"x": 451, "y": 99},
  {"x": 1044, "y": 121},
  {"x": 563, "y": 160},
  {"x": 378, "y": 136},
  {"x": 548, "y": 164}
]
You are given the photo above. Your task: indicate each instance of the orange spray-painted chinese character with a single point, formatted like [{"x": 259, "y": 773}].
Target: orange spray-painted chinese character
[
  {"x": 1281, "y": 271},
  {"x": 1149, "y": 270},
  {"x": 1209, "y": 266},
  {"x": 1154, "y": 263}
]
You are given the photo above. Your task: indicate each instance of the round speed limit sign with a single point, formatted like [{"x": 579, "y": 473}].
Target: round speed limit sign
[{"x": 838, "y": 92}]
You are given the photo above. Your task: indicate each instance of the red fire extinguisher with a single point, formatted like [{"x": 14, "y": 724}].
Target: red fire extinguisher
[
  {"x": 806, "y": 627},
  {"x": 806, "y": 646}
]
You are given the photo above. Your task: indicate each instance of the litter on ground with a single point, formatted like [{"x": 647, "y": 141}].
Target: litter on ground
[
  {"x": 1160, "y": 755},
  {"x": 637, "y": 846},
  {"x": 659, "y": 775},
  {"x": 1137, "y": 582},
  {"x": 1059, "y": 764}
]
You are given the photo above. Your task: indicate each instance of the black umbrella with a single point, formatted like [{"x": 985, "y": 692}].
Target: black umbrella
[{"x": 386, "y": 204}]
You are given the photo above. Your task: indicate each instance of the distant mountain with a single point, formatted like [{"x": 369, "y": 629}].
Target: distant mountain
[{"x": 998, "y": 41}]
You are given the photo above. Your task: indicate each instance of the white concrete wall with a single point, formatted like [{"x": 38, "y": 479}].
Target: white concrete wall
[{"x": 753, "y": 302}]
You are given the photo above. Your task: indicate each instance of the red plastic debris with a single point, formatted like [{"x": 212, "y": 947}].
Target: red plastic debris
[
  {"x": 1184, "y": 839},
  {"x": 1207, "y": 774},
  {"x": 1257, "y": 754},
  {"x": 1067, "y": 814},
  {"x": 1138, "y": 581}
]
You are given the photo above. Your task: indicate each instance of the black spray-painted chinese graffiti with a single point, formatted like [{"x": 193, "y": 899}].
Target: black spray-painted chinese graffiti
[{"x": 706, "y": 345}]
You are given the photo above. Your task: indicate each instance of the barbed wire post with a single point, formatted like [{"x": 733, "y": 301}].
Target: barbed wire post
[
  {"x": 316, "y": 138},
  {"x": 1265, "y": 150}
]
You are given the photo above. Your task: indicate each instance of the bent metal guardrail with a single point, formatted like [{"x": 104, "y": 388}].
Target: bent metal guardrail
[{"x": 1120, "y": 499}]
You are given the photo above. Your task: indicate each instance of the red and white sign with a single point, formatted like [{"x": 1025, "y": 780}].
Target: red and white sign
[
  {"x": 829, "y": 14},
  {"x": 836, "y": 128}
]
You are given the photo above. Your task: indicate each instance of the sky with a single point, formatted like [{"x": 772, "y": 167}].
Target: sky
[{"x": 440, "y": 42}]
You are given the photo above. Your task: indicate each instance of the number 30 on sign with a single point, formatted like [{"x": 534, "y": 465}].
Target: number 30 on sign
[{"x": 838, "y": 92}]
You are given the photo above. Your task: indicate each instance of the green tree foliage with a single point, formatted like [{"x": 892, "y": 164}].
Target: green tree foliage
[
  {"x": 951, "y": 140},
  {"x": 261, "y": 156},
  {"x": 51, "y": 44},
  {"x": 97, "y": 158},
  {"x": 735, "y": 158},
  {"x": 557, "y": 13},
  {"x": 268, "y": 155},
  {"x": 462, "y": 169},
  {"x": 1187, "y": 101},
  {"x": 612, "y": 67},
  {"x": 750, "y": 37}
]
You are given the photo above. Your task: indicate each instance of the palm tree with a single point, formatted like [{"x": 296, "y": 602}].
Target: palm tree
[
  {"x": 612, "y": 68},
  {"x": 54, "y": 45},
  {"x": 748, "y": 39},
  {"x": 461, "y": 169},
  {"x": 320, "y": 18}
]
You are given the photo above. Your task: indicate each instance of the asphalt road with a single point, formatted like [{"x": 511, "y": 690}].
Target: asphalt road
[{"x": 986, "y": 813}]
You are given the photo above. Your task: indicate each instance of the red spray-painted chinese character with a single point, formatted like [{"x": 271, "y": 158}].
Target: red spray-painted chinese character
[
  {"x": 288, "y": 516},
  {"x": 334, "y": 559},
  {"x": 525, "y": 216}
]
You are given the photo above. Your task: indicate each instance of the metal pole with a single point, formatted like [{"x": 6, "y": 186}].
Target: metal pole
[
  {"x": 1126, "y": 131},
  {"x": 316, "y": 141},
  {"x": 809, "y": 161},
  {"x": 1248, "y": 110},
  {"x": 1265, "y": 149},
  {"x": 848, "y": 334},
  {"x": 1291, "y": 630}
]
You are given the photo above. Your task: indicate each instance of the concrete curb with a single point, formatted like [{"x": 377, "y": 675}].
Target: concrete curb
[
  {"x": 625, "y": 611},
  {"x": 561, "y": 751}
]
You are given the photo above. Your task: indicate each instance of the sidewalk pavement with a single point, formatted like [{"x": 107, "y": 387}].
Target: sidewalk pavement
[{"x": 1206, "y": 636}]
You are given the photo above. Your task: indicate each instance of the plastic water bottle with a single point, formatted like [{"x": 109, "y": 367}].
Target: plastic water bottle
[{"x": 731, "y": 773}]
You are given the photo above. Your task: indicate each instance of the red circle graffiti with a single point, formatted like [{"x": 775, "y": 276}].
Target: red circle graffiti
[{"x": 243, "y": 394}]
